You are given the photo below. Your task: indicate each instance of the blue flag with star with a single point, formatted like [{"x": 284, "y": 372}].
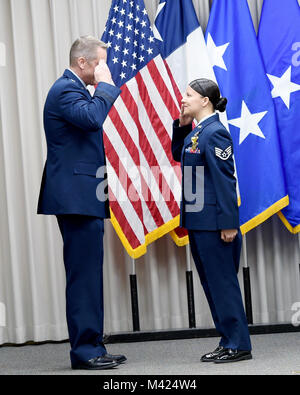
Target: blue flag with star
[
  {"x": 234, "y": 53},
  {"x": 279, "y": 41}
]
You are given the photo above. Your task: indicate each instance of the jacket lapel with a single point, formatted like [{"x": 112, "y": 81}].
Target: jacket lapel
[
  {"x": 200, "y": 129},
  {"x": 71, "y": 76}
]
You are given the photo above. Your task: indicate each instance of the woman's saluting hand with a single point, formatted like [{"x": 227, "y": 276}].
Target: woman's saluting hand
[{"x": 184, "y": 119}]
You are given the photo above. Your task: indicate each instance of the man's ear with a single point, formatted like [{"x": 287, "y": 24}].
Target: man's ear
[{"x": 81, "y": 62}]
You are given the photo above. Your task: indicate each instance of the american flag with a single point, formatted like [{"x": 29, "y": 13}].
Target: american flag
[{"x": 144, "y": 181}]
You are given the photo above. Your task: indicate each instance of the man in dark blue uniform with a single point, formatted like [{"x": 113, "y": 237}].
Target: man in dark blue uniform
[
  {"x": 209, "y": 211},
  {"x": 73, "y": 122}
]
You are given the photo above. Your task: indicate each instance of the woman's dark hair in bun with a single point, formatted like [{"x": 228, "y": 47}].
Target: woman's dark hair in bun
[
  {"x": 221, "y": 105},
  {"x": 208, "y": 88}
]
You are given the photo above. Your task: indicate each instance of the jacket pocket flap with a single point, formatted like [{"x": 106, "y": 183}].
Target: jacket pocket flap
[
  {"x": 193, "y": 159},
  {"x": 85, "y": 168}
]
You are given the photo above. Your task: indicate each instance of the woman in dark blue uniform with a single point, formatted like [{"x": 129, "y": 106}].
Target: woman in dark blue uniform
[{"x": 209, "y": 211}]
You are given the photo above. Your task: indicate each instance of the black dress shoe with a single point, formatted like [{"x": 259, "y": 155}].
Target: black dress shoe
[
  {"x": 229, "y": 355},
  {"x": 210, "y": 357},
  {"x": 117, "y": 358},
  {"x": 97, "y": 363}
]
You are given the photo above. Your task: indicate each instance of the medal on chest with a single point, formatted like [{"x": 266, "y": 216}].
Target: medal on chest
[{"x": 193, "y": 149}]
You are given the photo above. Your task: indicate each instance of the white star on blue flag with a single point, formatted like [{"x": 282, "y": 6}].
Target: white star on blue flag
[{"x": 234, "y": 53}]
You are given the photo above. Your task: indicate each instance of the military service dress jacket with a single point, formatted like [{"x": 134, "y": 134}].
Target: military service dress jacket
[
  {"x": 73, "y": 125},
  {"x": 209, "y": 199}
]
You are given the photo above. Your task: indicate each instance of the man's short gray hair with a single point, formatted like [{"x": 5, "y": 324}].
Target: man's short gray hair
[{"x": 85, "y": 46}]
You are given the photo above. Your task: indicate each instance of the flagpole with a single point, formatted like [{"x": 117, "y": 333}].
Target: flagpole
[
  {"x": 247, "y": 284},
  {"x": 134, "y": 299},
  {"x": 190, "y": 288}
]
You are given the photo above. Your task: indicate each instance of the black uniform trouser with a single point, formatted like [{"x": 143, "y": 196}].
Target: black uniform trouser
[
  {"x": 217, "y": 263},
  {"x": 83, "y": 259}
]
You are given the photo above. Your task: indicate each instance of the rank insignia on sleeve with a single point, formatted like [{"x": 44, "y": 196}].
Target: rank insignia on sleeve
[{"x": 223, "y": 154}]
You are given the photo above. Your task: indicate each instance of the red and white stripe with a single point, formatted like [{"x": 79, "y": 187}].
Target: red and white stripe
[{"x": 144, "y": 180}]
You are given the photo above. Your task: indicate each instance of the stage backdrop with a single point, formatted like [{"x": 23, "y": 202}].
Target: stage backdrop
[{"x": 35, "y": 38}]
